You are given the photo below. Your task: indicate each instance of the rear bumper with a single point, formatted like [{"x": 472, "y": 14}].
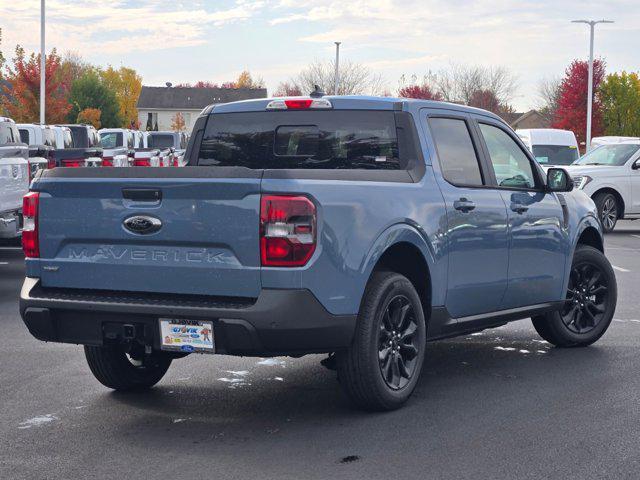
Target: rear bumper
[{"x": 278, "y": 322}]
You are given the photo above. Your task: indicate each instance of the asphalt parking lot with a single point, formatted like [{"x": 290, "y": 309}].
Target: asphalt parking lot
[{"x": 498, "y": 404}]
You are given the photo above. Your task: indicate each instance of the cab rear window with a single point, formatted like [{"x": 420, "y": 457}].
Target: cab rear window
[{"x": 336, "y": 139}]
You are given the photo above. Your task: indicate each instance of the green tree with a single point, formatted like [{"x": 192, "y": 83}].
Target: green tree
[
  {"x": 90, "y": 92},
  {"x": 620, "y": 97},
  {"x": 127, "y": 85}
]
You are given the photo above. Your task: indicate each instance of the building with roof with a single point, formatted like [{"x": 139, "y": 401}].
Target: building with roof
[
  {"x": 530, "y": 119},
  {"x": 157, "y": 106}
]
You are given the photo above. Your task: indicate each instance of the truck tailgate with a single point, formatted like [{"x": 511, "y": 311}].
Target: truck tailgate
[{"x": 93, "y": 231}]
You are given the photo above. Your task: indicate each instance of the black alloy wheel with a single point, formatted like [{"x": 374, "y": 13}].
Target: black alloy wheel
[
  {"x": 398, "y": 342},
  {"x": 587, "y": 298}
]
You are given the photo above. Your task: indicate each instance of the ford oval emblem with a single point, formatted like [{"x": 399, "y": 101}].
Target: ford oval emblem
[{"x": 142, "y": 224}]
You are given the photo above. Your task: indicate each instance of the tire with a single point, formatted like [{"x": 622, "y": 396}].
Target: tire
[
  {"x": 586, "y": 315},
  {"x": 390, "y": 304},
  {"x": 608, "y": 210},
  {"x": 114, "y": 368}
]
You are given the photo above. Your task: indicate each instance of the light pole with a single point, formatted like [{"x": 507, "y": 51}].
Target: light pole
[
  {"x": 43, "y": 93},
  {"x": 337, "y": 80},
  {"x": 592, "y": 24}
]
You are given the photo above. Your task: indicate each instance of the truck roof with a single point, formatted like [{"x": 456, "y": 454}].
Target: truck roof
[{"x": 349, "y": 102}]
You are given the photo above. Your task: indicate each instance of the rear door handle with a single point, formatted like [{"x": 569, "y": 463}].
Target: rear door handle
[
  {"x": 464, "y": 205},
  {"x": 519, "y": 208}
]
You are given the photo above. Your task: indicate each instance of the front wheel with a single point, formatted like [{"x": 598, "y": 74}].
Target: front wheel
[
  {"x": 381, "y": 368},
  {"x": 608, "y": 210},
  {"x": 116, "y": 369},
  {"x": 589, "y": 306}
]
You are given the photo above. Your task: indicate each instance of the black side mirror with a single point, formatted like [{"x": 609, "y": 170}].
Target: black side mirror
[
  {"x": 636, "y": 165},
  {"x": 559, "y": 180}
]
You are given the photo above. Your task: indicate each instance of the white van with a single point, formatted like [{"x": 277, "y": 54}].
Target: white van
[{"x": 551, "y": 146}]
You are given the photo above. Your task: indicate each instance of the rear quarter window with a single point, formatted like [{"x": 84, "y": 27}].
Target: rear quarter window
[{"x": 336, "y": 139}]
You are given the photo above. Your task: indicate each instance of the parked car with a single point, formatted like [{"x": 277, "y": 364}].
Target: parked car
[
  {"x": 551, "y": 146},
  {"x": 610, "y": 175},
  {"x": 67, "y": 154},
  {"x": 345, "y": 225},
  {"x": 145, "y": 157},
  {"x": 14, "y": 178},
  {"x": 118, "y": 147},
  {"x": 86, "y": 137},
  {"x": 176, "y": 142},
  {"x": 597, "y": 141},
  {"x": 42, "y": 143}
]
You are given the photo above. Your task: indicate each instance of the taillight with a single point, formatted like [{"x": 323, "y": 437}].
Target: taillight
[
  {"x": 30, "y": 243},
  {"x": 287, "y": 230},
  {"x": 142, "y": 162},
  {"x": 107, "y": 161},
  {"x": 51, "y": 163},
  {"x": 73, "y": 162}
]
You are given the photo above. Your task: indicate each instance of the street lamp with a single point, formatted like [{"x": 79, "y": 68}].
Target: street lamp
[
  {"x": 592, "y": 24},
  {"x": 337, "y": 79},
  {"x": 43, "y": 93}
]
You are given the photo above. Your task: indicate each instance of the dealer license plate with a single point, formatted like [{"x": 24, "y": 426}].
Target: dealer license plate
[{"x": 182, "y": 335}]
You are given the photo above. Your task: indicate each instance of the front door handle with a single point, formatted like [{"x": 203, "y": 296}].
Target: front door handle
[
  {"x": 464, "y": 205},
  {"x": 519, "y": 208}
]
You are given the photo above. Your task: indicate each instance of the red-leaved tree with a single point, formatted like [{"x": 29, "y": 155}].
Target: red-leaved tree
[
  {"x": 572, "y": 102},
  {"x": 287, "y": 89},
  {"x": 423, "y": 92},
  {"x": 22, "y": 99}
]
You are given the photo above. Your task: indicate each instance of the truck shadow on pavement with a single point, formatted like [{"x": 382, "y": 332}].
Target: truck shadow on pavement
[{"x": 467, "y": 383}]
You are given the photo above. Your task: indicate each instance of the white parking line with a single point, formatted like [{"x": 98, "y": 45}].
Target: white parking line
[
  {"x": 637, "y": 236},
  {"x": 620, "y": 269},
  {"x": 4, "y": 263}
]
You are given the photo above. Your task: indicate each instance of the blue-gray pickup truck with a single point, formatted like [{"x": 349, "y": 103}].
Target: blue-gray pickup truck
[{"x": 361, "y": 227}]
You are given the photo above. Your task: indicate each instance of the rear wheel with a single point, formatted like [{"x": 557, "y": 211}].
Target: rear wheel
[
  {"x": 608, "y": 210},
  {"x": 381, "y": 368},
  {"x": 116, "y": 369},
  {"x": 589, "y": 306}
]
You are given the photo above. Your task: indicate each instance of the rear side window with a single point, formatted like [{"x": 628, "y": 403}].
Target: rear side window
[
  {"x": 111, "y": 139},
  {"x": 7, "y": 134},
  {"x": 336, "y": 139},
  {"x": 24, "y": 135},
  {"x": 160, "y": 141},
  {"x": 457, "y": 155}
]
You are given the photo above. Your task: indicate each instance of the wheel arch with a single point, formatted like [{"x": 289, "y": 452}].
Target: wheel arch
[{"x": 402, "y": 249}]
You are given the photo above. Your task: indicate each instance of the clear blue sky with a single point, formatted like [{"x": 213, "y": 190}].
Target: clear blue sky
[{"x": 182, "y": 41}]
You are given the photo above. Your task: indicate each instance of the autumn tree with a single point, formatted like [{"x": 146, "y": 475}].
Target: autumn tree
[
  {"x": 198, "y": 84},
  {"x": 354, "y": 79},
  {"x": 72, "y": 67},
  {"x": 90, "y": 92},
  {"x": 572, "y": 102},
  {"x": 548, "y": 97},
  {"x": 21, "y": 99},
  {"x": 126, "y": 84},
  {"x": 178, "y": 123},
  {"x": 620, "y": 97},
  {"x": 486, "y": 100},
  {"x": 287, "y": 89},
  {"x": 460, "y": 83},
  {"x": 90, "y": 116},
  {"x": 413, "y": 88}
]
